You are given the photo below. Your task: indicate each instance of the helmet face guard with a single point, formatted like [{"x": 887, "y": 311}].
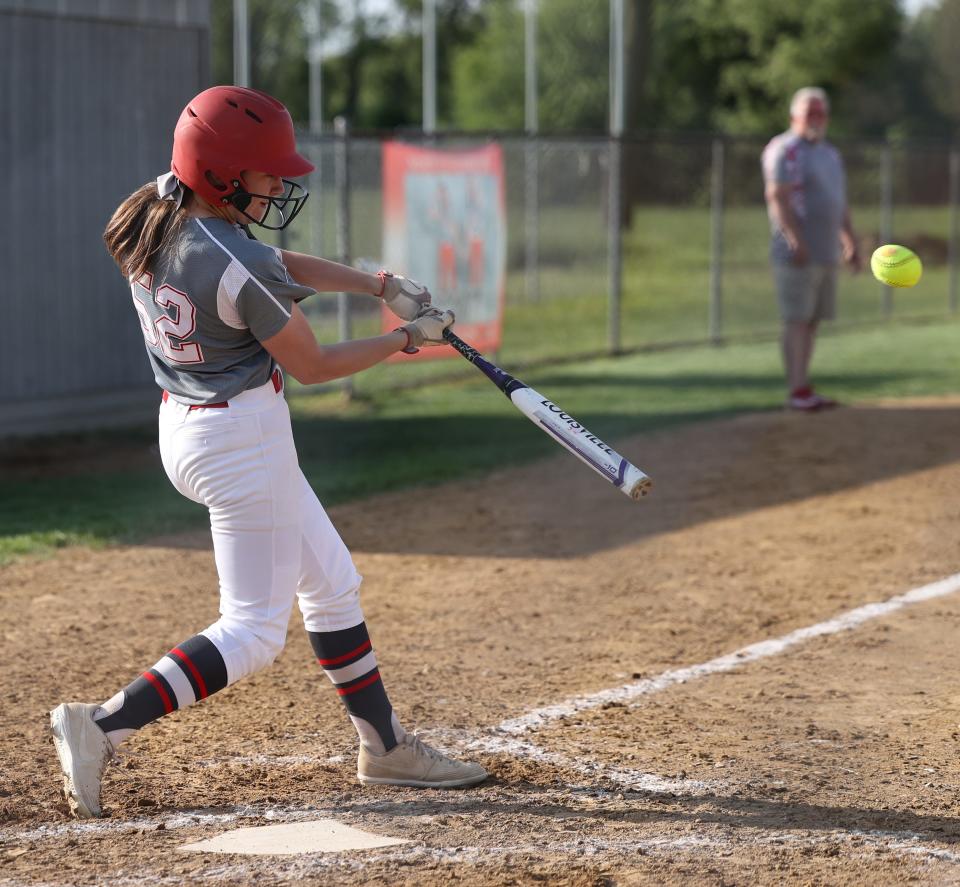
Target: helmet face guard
[{"x": 281, "y": 209}]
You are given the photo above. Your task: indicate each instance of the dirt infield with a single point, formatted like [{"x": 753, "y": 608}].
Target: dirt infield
[{"x": 828, "y": 759}]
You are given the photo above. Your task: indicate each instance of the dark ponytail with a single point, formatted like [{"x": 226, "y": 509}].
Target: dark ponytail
[{"x": 141, "y": 227}]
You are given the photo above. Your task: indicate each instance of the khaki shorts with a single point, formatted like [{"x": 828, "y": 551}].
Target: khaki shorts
[{"x": 806, "y": 293}]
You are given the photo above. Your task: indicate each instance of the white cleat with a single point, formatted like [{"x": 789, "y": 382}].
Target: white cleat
[
  {"x": 84, "y": 750},
  {"x": 413, "y": 762}
]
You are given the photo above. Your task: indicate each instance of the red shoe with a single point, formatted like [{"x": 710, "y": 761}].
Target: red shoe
[{"x": 804, "y": 400}]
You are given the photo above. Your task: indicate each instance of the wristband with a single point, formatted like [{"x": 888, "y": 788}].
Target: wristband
[
  {"x": 408, "y": 348},
  {"x": 383, "y": 275}
]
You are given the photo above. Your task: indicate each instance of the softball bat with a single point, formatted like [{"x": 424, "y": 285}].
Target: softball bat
[{"x": 561, "y": 426}]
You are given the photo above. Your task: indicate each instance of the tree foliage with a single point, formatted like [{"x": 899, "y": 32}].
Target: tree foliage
[
  {"x": 372, "y": 72},
  {"x": 761, "y": 52},
  {"x": 704, "y": 65},
  {"x": 278, "y": 48},
  {"x": 573, "y": 68},
  {"x": 727, "y": 64},
  {"x": 943, "y": 38}
]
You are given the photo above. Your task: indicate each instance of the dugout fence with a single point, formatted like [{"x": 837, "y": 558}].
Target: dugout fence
[{"x": 682, "y": 260}]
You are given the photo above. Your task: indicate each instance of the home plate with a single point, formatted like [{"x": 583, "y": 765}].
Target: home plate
[{"x": 319, "y": 836}]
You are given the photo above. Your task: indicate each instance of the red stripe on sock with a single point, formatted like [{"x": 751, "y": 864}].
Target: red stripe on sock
[
  {"x": 338, "y": 659},
  {"x": 185, "y": 659},
  {"x": 366, "y": 682},
  {"x": 167, "y": 704}
]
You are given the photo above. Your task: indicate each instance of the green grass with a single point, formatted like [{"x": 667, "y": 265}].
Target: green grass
[
  {"x": 378, "y": 442},
  {"x": 666, "y": 281},
  {"x": 436, "y": 432}
]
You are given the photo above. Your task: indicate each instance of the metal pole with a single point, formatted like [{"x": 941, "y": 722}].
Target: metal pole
[
  {"x": 615, "y": 251},
  {"x": 954, "y": 226},
  {"x": 617, "y": 94},
  {"x": 530, "y": 67},
  {"x": 342, "y": 178},
  {"x": 532, "y": 156},
  {"x": 716, "y": 243},
  {"x": 314, "y": 23},
  {"x": 241, "y": 44},
  {"x": 429, "y": 65},
  {"x": 886, "y": 219}
]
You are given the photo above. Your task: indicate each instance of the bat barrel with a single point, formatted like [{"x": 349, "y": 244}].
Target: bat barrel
[{"x": 563, "y": 428}]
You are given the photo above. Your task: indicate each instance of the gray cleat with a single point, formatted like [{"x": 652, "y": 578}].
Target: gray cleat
[
  {"x": 84, "y": 750},
  {"x": 413, "y": 762}
]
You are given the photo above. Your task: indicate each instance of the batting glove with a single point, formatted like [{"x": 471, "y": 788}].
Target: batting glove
[
  {"x": 405, "y": 298},
  {"x": 427, "y": 329}
]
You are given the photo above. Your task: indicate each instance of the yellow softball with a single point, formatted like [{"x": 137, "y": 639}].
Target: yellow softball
[{"x": 896, "y": 265}]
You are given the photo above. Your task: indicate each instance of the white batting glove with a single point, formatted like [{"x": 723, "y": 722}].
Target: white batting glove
[
  {"x": 427, "y": 329},
  {"x": 405, "y": 298}
]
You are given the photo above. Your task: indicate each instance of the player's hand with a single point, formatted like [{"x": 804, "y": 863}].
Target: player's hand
[
  {"x": 405, "y": 298},
  {"x": 428, "y": 328},
  {"x": 851, "y": 255},
  {"x": 798, "y": 254}
]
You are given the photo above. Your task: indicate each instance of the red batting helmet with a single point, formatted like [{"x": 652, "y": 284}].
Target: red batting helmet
[{"x": 228, "y": 129}]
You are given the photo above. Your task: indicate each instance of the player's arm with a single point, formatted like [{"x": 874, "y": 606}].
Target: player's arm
[
  {"x": 325, "y": 276},
  {"x": 297, "y": 350},
  {"x": 405, "y": 298},
  {"x": 778, "y": 199}
]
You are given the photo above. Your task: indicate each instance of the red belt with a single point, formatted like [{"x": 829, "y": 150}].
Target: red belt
[{"x": 276, "y": 378}]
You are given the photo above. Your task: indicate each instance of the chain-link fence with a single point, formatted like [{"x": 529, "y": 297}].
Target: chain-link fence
[{"x": 690, "y": 252}]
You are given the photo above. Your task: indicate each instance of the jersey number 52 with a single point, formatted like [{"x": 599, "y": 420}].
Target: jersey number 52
[{"x": 168, "y": 331}]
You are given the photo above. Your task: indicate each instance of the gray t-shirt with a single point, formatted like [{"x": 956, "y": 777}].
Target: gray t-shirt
[
  {"x": 818, "y": 195},
  {"x": 206, "y": 304}
]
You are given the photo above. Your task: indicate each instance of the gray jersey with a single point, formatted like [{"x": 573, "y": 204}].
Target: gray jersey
[
  {"x": 205, "y": 306},
  {"x": 818, "y": 195}
]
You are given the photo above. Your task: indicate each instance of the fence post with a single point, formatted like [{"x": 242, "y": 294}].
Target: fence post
[
  {"x": 954, "y": 226},
  {"x": 532, "y": 153},
  {"x": 716, "y": 243},
  {"x": 318, "y": 245},
  {"x": 342, "y": 180},
  {"x": 532, "y": 225},
  {"x": 615, "y": 246},
  {"x": 886, "y": 219},
  {"x": 617, "y": 111}
]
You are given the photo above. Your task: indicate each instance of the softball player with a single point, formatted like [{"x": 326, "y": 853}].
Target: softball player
[{"x": 220, "y": 316}]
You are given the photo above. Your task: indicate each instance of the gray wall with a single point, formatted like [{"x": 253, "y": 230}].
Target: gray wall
[{"x": 91, "y": 90}]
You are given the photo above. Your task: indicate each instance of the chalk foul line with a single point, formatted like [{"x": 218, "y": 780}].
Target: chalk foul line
[{"x": 542, "y": 717}]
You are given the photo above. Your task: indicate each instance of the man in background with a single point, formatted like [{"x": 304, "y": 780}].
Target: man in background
[{"x": 806, "y": 194}]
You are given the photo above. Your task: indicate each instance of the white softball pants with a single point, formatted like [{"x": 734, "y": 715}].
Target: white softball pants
[{"x": 272, "y": 539}]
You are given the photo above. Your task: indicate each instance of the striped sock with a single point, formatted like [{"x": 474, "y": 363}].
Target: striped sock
[
  {"x": 347, "y": 658},
  {"x": 187, "y": 674}
]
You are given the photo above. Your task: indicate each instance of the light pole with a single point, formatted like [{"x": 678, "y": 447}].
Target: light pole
[
  {"x": 531, "y": 156},
  {"x": 614, "y": 257},
  {"x": 429, "y": 39},
  {"x": 313, "y": 25},
  {"x": 241, "y": 44}
]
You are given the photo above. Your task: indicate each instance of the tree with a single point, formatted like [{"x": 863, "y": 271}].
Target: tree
[
  {"x": 278, "y": 48},
  {"x": 372, "y": 77},
  {"x": 733, "y": 64},
  {"x": 488, "y": 74},
  {"x": 944, "y": 76},
  {"x": 696, "y": 64},
  {"x": 572, "y": 49},
  {"x": 901, "y": 98},
  {"x": 701, "y": 65}
]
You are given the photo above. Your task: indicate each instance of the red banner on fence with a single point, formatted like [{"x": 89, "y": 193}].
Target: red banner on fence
[{"x": 444, "y": 225}]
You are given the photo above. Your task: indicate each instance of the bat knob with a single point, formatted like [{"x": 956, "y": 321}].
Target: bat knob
[{"x": 641, "y": 488}]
